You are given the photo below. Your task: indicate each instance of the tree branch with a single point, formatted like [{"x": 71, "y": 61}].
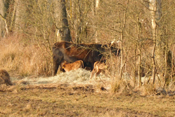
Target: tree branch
[{"x": 6, "y": 28}]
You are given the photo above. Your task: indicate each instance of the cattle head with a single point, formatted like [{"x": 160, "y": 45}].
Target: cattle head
[
  {"x": 63, "y": 64},
  {"x": 58, "y": 58}
]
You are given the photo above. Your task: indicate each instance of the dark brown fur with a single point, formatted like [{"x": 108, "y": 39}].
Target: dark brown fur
[{"x": 5, "y": 77}]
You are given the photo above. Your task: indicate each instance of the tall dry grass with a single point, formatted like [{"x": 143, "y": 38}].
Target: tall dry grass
[{"x": 24, "y": 58}]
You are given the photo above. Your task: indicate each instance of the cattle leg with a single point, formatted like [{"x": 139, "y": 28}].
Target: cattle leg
[
  {"x": 97, "y": 73},
  {"x": 55, "y": 68},
  {"x": 104, "y": 72},
  {"x": 92, "y": 74},
  {"x": 57, "y": 59}
]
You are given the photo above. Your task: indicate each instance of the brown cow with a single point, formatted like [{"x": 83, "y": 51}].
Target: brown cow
[
  {"x": 5, "y": 77},
  {"x": 72, "y": 66},
  {"x": 99, "y": 67},
  {"x": 88, "y": 53}
]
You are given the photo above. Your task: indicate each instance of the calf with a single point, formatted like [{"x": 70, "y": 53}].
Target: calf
[
  {"x": 98, "y": 68},
  {"x": 72, "y": 66}
]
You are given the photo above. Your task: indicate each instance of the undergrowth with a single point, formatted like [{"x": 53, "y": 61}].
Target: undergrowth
[{"x": 24, "y": 58}]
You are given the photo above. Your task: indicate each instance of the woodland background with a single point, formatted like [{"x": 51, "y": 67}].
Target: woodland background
[{"x": 144, "y": 28}]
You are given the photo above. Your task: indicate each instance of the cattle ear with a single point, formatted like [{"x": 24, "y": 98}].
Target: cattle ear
[
  {"x": 65, "y": 61},
  {"x": 62, "y": 65}
]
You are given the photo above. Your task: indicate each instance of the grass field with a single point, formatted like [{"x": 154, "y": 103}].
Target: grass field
[
  {"x": 66, "y": 96},
  {"x": 81, "y": 100}
]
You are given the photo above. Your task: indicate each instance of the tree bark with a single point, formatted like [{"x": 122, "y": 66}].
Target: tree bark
[
  {"x": 157, "y": 55},
  {"x": 61, "y": 20},
  {"x": 152, "y": 7},
  {"x": 96, "y": 8},
  {"x": 160, "y": 44},
  {"x": 139, "y": 52},
  {"x": 19, "y": 16},
  {"x": 2, "y": 24}
]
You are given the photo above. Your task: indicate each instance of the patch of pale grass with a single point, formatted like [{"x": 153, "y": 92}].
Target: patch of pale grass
[
  {"x": 74, "y": 76},
  {"x": 80, "y": 76}
]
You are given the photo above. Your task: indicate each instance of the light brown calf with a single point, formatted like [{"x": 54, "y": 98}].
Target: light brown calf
[
  {"x": 98, "y": 68},
  {"x": 72, "y": 66}
]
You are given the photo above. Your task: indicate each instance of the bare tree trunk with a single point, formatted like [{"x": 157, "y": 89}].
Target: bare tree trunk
[
  {"x": 155, "y": 11},
  {"x": 11, "y": 24},
  {"x": 121, "y": 59},
  {"x": 172, "y": 64},
  {"x": 123, "y": 25},
  {"x": 166, "y": 56},
  {"x": 19, "y": 16},
  {"x": 93, "y": 14},
  {"x": 96, "y": 8},
  {"x": 153, "y": 62},
  {"x": 65, "y": 26},
  {"x": 139, "y": 50},
  {"x": 122, "y": 63},
  {"x": 152, "y": 7},
  {"x": 2, "y": 24},
  {"x": 57, "y": 16},
  {"x": 74, "y": 20},
  {"x": 95, "y": 5},
  {"x": 160, "y": 44},
  {"x": 61, "y": 20},
  {"x": 139, "y": 65},
  {"x": 135, "y": 65},
  {"x": 79, "y": 23}
]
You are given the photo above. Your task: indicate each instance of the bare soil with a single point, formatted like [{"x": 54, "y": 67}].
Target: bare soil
[{"x": 66, "y": 100}]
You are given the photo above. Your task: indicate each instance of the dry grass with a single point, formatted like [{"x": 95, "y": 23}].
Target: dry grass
[
  {"x": 77, "y": 96},
  {"x": 24, "y": 58},
  {"x": 80, "y": 100},
  {"x": 30, "y": 59}
]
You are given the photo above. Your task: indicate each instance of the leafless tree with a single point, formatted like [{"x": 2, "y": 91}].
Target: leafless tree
[
  {"x": 61, "y": 20},
  {"x": 3, "y": 23}
]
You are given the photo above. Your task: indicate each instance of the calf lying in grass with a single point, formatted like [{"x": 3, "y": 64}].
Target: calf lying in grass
[
  {"x": 98, "y": 68},
  {"x": 72, "y": 66}
]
